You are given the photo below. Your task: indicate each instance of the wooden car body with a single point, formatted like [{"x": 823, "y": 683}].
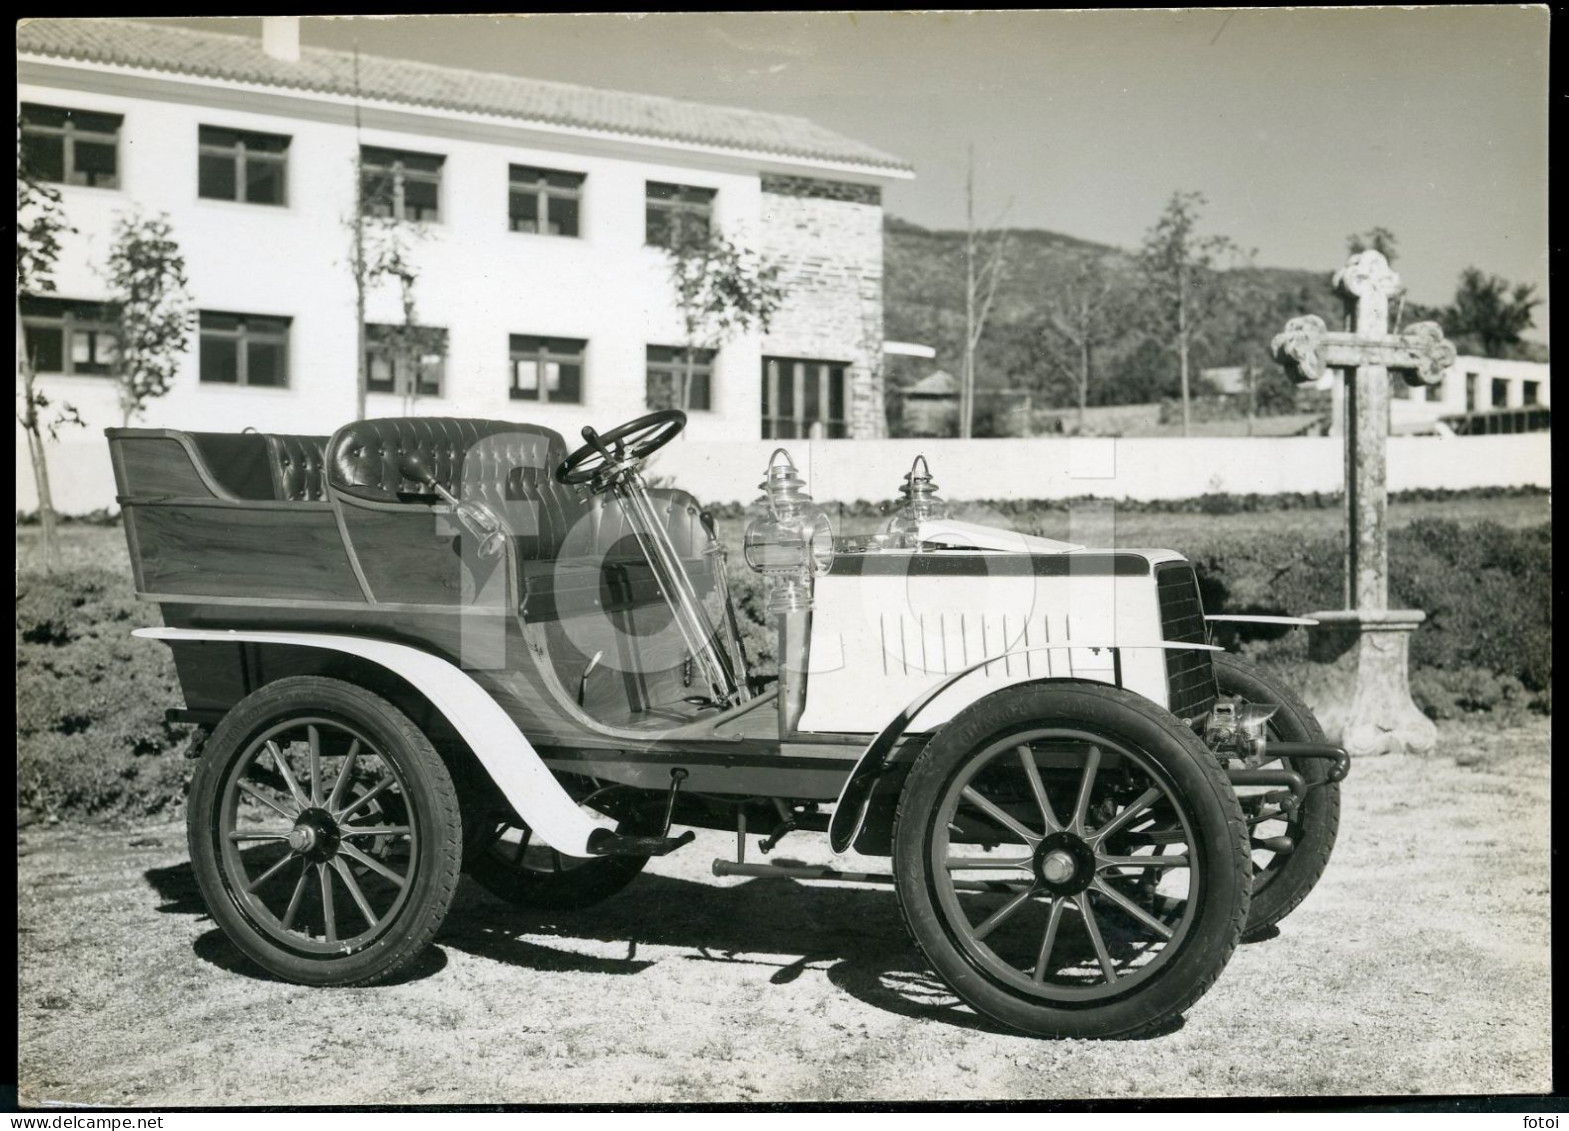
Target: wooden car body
[{"x": 265, "y": 533}]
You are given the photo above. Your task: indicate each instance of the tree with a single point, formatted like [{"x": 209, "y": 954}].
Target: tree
[
  {"x": 1378, "y": 238},
  {"x": 153, "y": 312},
  {"x": 1183, "y": 280},
  {"x": 1488, "y": 314},
  {"x": 721, "y": 289},
  {"x": 384, "y": 247},
  {"x": 40, "y": 222},
  {"x": 1083, "y": 312},
  {"x": 980, "y": 289}
]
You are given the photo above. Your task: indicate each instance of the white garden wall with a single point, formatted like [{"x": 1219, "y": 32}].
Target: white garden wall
[{"x": 846, "y": 470}]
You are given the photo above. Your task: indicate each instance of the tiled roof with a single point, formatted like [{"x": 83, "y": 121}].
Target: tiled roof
[
  {"x": 241, "y": 59},
  {"x": 938, "y": 384}
]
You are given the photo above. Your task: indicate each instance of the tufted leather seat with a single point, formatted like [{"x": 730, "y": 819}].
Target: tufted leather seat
[
  {"x": 297, "y": 463},
  {"x": 495, "y": 462},
  {"x": 607, "y": 529},
  {"x": 499, "y": 462}
]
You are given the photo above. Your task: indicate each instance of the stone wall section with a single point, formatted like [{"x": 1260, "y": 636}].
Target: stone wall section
[{"x": 827, "y": 237}]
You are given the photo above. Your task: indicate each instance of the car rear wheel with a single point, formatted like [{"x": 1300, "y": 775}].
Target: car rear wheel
[
  {"x": 1072, "y": 861},
  {"x": 324, "y": 832}
]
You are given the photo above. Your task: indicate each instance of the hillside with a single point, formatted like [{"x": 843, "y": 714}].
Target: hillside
[{"x": 925, "y": 303}]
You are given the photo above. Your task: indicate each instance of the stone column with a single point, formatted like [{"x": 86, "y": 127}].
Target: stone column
[{"x": 1369, "y": 707}]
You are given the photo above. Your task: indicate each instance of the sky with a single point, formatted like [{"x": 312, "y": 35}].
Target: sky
[{"x": 1299, "y": 126}]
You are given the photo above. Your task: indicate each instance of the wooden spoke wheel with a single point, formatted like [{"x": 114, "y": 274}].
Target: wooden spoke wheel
[
  {"x": 324, "y": 832},
  {"x": 1071, "y": 860}
]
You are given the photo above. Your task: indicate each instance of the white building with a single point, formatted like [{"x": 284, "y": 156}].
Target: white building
[
  {"x": 1493, "y": 394},
  {"x": 535, "y": 209}
]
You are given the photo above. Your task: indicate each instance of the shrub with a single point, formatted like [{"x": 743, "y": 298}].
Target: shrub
[
  {"x": 1486, "y": 589},
  {"x": 91, "y": 736},
  {"x": 1453, "y": 694}
]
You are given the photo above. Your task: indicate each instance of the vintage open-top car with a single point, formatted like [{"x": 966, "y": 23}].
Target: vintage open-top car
[{"x": 428, "y": 645}]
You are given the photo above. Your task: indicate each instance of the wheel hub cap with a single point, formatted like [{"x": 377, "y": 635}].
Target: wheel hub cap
[
  {"x": 1064, "y": 864},
  {"x": 1057, "y": 866},
  {"x": 315, "y": 835}
]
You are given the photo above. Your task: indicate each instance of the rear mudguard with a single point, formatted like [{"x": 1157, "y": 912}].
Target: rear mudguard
[
  {"x": 506, "y": 754},
  {"x": 855, "y": 796}
]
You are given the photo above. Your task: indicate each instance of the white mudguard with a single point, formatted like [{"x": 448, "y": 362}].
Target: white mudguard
[{"x": 507, "y": 755}]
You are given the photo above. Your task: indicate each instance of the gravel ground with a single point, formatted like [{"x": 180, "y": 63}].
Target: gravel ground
[{"x": 1420, "y": 965}]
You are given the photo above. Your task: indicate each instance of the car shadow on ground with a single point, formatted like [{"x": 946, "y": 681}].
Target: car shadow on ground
[{"x": 854, "y": 936}]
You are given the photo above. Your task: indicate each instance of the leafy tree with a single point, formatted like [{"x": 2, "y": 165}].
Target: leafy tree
[
  {"x": 1084, "y": 312},
  {"x": 721, "y": 289},
  {"x": 40, "y": 222},
  {"x": 1379, "y": 239},
  {"x": 153, "y": 312},
  {"x": 1489, "y": 315},
  {"x": 1184, "y": 281},
  {"x": 386, "y": 248}
]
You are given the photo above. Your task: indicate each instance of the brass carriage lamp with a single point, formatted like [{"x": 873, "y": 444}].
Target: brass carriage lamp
[
  {"x": 920, "y": 504},
  {"x": 791, "y": 543}
]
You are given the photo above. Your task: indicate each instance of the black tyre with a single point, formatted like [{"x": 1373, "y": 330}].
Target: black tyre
[
  {"x": 1282, "y": 880},
  {"x": 1072, "y": 860},
  {"x": 324, "y": 832}
]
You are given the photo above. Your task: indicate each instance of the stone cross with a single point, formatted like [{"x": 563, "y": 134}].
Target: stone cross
[{"x": 1371, "y": 711}]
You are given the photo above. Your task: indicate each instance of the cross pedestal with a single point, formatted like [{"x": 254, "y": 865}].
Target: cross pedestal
[{"x": 1367, "y": 708}]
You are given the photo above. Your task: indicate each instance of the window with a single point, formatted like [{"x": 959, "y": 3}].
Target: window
[
  {"x": 236, "y": 165},
  {"x": 803, "y": 399},
  {"x": 1471, "y": 380},
  {"x": 399, "y": 185},
  {"x": 674, "y": 212},
  {"x": 73, "y": 147},
  {"x": 65, "y": 336},
  {"x": 1500, "y": 392},
  {"x": 543, "y": 201},
  {"x": 547, "y": 369},
  {"x": 244, "y": 349},
  {"x": 667, "y": 370},
  {"x": 407, "y": 360},
  {"x": 1531, "y": 392}
]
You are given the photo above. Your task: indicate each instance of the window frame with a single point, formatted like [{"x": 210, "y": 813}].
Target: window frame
[
  {"x": 241, "y": 154},
  {"x": 243, "y": 335},
  {"x": 376, "y": 334},
  {"x": 676, "y": 205},
  {"x": 542, "y": 354},
  {"x": 799, "y": 421},
  {"x": 674, "y": 369},
  {"x": 401, "y": 175},
  {"x": 69, "y": 133},
  {"x": 544, "y": 192},
  {"x": 76, "y": 316}
]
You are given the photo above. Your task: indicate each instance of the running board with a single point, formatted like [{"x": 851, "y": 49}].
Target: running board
[{"x": 604, "y": 842}]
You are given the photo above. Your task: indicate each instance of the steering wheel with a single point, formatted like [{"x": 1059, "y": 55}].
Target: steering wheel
[{"x": 621, "y": 446}]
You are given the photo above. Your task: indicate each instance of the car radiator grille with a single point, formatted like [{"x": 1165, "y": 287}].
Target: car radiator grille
[{"x": 1190, "y": 676}]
